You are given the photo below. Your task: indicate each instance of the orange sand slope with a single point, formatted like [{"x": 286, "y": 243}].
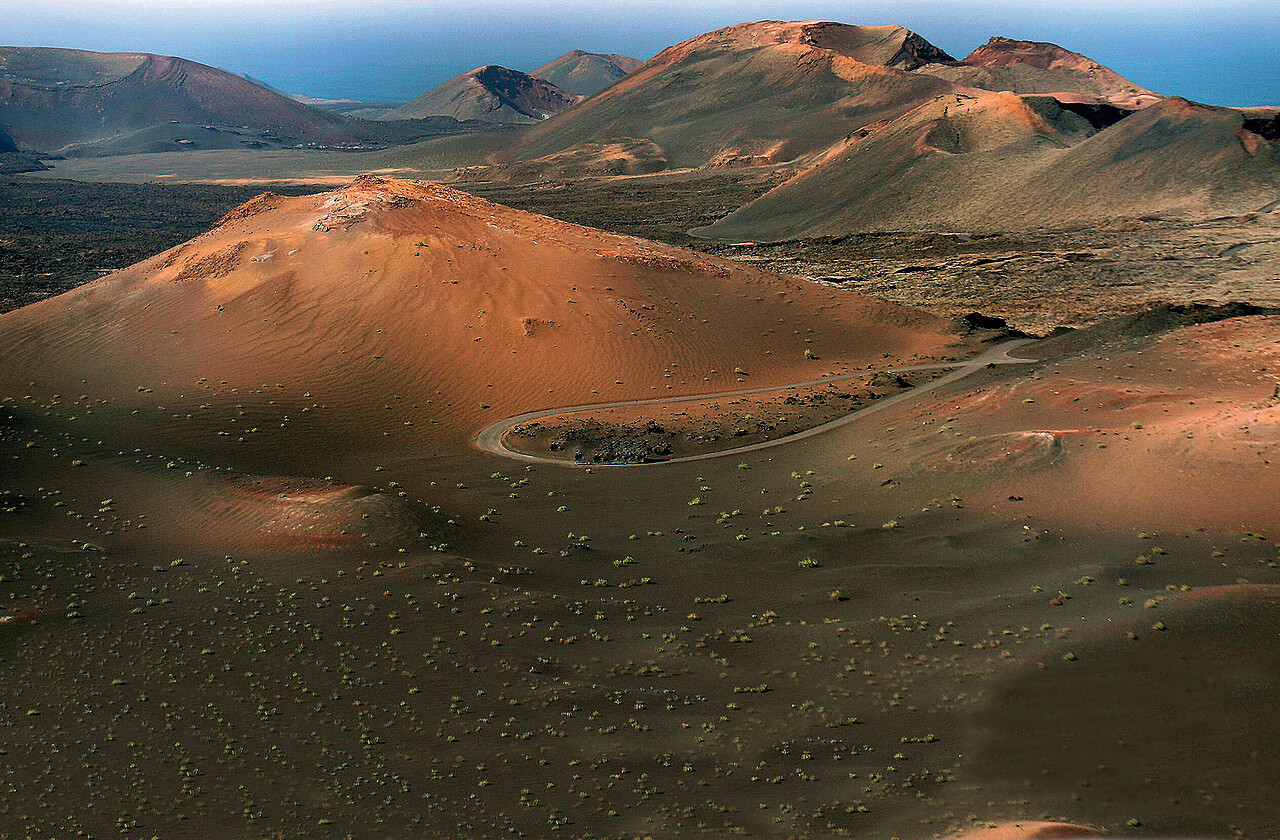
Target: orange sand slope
[
  {"x": 1028, "y": 830},
  {"x": 1130, "y": 434},
  {"x": 998, "y": 161},
  {"x": 415, "y": 309},
  {"x": 762, "y": 92},
  {"x": 1038, "y": 67}
]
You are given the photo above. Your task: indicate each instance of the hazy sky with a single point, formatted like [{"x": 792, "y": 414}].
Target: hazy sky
[{"x": 1220, "y": 51}]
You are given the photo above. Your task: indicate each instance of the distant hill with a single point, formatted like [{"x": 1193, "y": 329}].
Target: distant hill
[
  {"x": 51, "y": 99},
  {"x": 81, "y": 104},
  {"x": 999, "y": 161},
  {"x": 585, "y": 73},
  {"x": 760, "y": 92},
  {"x": 7, "y": 144},
  {"x": 1037, "y": 67},
  {"x": 491, "y": 94}
]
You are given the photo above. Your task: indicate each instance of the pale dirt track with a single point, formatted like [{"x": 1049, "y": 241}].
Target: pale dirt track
[{"x": 490, "y": 439}]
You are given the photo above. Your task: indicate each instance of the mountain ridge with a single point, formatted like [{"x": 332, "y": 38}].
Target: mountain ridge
[
  {"x": 51, "y": 98},
  {"x": 1000, "y": 161},
  {"x": 491, "y": 93},
  {"x": 742, "y": 91},
  {"x": 586, "y": 73},
  {"x": 1035, "y": 67}
]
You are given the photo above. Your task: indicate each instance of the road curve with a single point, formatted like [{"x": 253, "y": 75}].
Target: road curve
[{"x": 490, "y": 439}]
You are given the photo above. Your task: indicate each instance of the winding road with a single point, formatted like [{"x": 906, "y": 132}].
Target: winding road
[{"x": 490, "y": 439}]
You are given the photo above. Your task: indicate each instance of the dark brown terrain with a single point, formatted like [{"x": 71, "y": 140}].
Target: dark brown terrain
[
  {"x": 362, "y": 513},
  {"x": 13, "y": 160},
  {"x": 825, "y": 638}
]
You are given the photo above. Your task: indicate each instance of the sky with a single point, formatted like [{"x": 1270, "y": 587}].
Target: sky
[{"x": 1224, "y": 52}]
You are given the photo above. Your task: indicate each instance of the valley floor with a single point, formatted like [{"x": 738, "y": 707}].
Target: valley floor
[
  {"x": 1036, "y": 280},
  {"x": 1040, "y": 592},
  {"x": 915, "y": 624}
]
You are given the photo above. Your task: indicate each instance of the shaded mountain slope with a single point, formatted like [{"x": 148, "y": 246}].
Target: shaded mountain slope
[
  {"x": 999, "y": 161},
  {"x": 54, "y": 98},
  {"x": 491, "y": 94},
  {"x": 771, "y": 91},
  {"x": 1038, "y": 67},
  {"x": 585, "y": 73}
]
